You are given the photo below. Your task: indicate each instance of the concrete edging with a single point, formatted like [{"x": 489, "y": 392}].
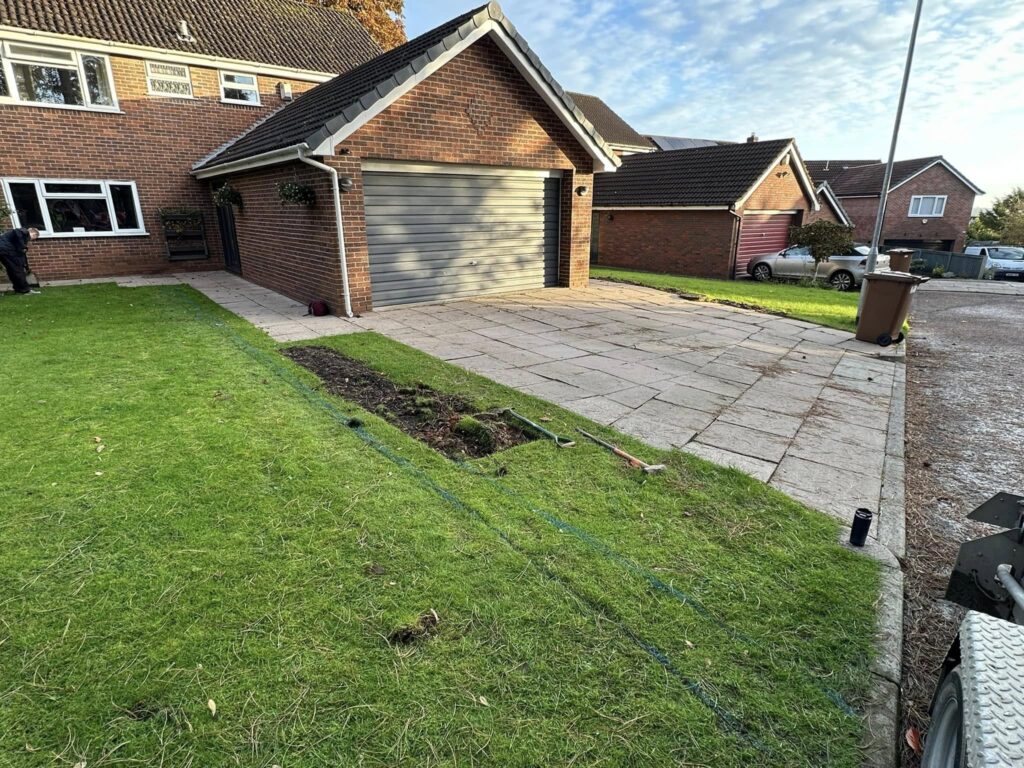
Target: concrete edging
[{"x": 882, "y": 711}]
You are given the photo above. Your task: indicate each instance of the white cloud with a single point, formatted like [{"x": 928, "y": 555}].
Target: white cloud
[{"x": 825, "y": 72}]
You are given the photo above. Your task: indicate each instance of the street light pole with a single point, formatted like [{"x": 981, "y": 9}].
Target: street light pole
[{"x": 884, "y": 196}]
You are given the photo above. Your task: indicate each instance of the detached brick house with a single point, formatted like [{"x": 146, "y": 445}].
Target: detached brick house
[
  {"x": 703, "y": 211},
  {"x": 929, "y": 204},
  {"x": 106, "y": 106},
  {"x": 450, "y": 166}
]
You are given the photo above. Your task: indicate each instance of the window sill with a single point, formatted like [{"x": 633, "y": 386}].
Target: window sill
[
  {"x": 84, "y": 235},
  {"x": 924, "y": 215},
  {"x": 241, "y": 103},
  {"x": 69, "y": 107}
]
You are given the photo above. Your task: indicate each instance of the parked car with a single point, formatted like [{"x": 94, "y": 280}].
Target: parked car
[
  {"x": 1002, "y": 262},
  {"x": 844, "y": 271}
]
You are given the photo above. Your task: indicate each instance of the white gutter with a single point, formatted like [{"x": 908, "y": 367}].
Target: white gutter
[{"x": 337, "y": 224}]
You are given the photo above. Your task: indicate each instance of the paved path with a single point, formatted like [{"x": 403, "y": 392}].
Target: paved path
[
  {"x": 799, "y": 406},
  {"x": 996, "y": 287}
]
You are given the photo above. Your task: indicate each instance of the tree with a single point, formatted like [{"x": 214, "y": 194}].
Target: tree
[
  {"x": 383, "y": 19},
  {"x": 1013, "y": 230},
  {"x": 824, "y": 238},
  {"x": 1003, "y": 210},
  {"x": 978, "y": 231}
]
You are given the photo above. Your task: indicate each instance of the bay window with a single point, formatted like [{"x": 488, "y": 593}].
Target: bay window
[
  {"x": 73, "y": 208},
  {"x": 36, "y": 74}
]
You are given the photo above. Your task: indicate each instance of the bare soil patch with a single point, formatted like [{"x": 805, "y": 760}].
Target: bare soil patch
[{"x": 446, "y": 423}]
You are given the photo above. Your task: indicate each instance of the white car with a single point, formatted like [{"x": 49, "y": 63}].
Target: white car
[{"x": 1002, "y": 262}]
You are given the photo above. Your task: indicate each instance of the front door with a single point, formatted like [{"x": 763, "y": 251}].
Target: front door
[{"x": 229, "y": 238}]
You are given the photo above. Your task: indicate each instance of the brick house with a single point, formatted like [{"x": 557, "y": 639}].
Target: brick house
[
  {"x": 703, "y": 211},
  {"x": 451, "y": 166},
  {"x": 105, "y": 107},
  {"x": 929, "y": 204},
  {"x": 620, "y": 135}
]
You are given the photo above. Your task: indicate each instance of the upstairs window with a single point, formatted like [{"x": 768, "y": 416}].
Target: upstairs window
[
  {"x": 239, "y": 88},
  {"x": 168, "y": 80},
  {"x": 73, "y": 208},
  {"x": 927, "y": 205},
  {"x": 35, "y": 74}
]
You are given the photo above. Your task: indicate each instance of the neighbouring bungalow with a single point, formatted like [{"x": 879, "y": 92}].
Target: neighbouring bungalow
[{"x": 705, "y": 211}]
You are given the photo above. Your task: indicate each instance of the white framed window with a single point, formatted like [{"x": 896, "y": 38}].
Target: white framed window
[
  {"x": 55, "y": 77},
  {"x": 239, "y": 88},
  {"x": 928, "y": 205},
  {"x": 75, "y": 207},
  {"x": 163, "y": 79}
]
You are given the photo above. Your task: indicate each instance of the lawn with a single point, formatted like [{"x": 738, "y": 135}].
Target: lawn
[
  {"x": 190, "y": 523},
  {"x": 815, "y": 304}
]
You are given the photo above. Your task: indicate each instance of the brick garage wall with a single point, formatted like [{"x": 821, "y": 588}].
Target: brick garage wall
[
  {"x": 289, "y": 248},
  {"x": 476, "y": 110},
  {"x": 780, "y": 191},
  {"x": 950, "y": 226},
  {"x": 154, "y": 143},
  {"x": 697, "y": 243}
]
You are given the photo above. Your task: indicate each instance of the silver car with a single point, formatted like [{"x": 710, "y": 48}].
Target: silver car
[{"x": 844, "y": 271}]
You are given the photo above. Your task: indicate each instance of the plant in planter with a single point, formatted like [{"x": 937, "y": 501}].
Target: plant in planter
[
  {"x": 824, "y": 238},
  {"x": 293, "y": 193},
  {"x": 226, "y": 194},
  {"x": 181, "y": 220}
]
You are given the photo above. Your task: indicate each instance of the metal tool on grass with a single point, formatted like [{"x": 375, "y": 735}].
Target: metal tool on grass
[
  {"x": 633, "y": 461},
  {"x": 560, "y": 441}
]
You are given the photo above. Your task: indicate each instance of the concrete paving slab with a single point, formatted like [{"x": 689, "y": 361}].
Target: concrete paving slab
[{"x": 762, "y": 470}]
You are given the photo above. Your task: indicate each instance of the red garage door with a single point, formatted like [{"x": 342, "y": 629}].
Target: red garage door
[{"x": 761, "y": 233}]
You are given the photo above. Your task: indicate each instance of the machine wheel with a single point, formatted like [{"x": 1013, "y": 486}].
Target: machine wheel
[
  {"x": 884, "y": 340},
  {"x": 762, "y": 273},
  {"x": 944, "y": 746},
  {"x": 841, "y": 280}
]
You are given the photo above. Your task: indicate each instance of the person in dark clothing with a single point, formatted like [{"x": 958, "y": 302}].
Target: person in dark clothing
[{"x": 14, "y": 257}]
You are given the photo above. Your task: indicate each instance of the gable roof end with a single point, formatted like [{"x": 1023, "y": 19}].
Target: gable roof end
[
  {"x": 866, "y": 181},
  {"x": 277, "y": 33},
  {"x": 326, "y": 115},
  {"x": 825, "y": 190}
]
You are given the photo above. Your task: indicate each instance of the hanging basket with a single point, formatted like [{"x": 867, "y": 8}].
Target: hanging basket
[
  {"x": 293, "y": 193},
  {"x": 226, "y": 194}
]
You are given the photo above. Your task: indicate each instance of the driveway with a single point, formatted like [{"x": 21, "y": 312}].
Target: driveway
[
  {"x": 802, "y": 407},
  {"x": 964, "y": 437}
]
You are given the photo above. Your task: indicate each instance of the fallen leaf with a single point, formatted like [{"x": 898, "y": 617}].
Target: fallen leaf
[
  {"x": 913, "y": 737},
  {"x": 98, "y": 474},
  {"x": 80, "y": 764},
  {"x": 212, "y": 706},
  {"x": 100, "y": 448},
  {"x": 483, "y": 701},
  {"x": 97, "y": 439},
  {"x": 689, "y": 644}
]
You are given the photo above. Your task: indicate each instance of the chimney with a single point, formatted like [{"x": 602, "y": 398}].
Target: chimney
[{"x": 752, "y": 138}]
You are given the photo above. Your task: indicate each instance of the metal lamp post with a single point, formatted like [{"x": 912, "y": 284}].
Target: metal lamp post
[{"x": 884, "y": 196}]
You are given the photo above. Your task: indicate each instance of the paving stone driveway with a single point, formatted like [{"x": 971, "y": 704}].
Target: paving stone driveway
[{"x": 804, "y": 408}]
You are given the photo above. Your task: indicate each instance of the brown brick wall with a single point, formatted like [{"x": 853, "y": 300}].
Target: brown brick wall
[
  {"x": 899, "y": 226},
  {"x": 697, "y": 243},
  {"x": 476, "y": 110},
  {"x": 780, "y": 191},
  {"x": 824, "y": 212},
  {"x": 154, "y": 143}
]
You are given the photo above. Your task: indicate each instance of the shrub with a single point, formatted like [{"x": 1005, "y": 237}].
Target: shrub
[
  {"x": 824, "y": 238},
  {"x": 939, "y": 271},
  {"x": 5, "y": 216}
]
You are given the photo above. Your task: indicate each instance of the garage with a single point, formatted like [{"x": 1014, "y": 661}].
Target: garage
[
  {"x": 761, "y": 233},
  {"x": 444, "y": 234}
]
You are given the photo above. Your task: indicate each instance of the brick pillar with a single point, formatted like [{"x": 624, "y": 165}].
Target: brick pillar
[{"x": 574, "y": 255}]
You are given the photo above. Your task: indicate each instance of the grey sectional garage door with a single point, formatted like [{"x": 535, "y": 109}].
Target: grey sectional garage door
[{"x": 442, "y": 236}]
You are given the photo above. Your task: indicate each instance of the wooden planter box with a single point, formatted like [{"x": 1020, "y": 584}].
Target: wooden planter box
[{"x": 185, "y": 236}]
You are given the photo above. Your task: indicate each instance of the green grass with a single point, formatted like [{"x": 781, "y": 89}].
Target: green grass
[
  {"x": 236, "y": 541},
  {"x": 815, "y": 304}
]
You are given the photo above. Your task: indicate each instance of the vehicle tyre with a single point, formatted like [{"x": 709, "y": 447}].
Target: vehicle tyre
[
  {"x": 841, "y": 280},
  {"x": 762, "y": 273},
  {"x": 945, "y": 746},
  {"x": 899, "y": 339},
  {"x": 884, "y": 340}
]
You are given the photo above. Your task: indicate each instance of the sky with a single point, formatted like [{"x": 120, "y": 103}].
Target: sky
[{"x": 826, "y": 72}]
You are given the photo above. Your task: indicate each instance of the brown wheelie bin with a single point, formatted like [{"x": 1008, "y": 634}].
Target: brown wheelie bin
[{"x": 886, "y": 306}]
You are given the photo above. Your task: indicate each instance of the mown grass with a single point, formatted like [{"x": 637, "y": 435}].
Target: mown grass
[
  {"x": 813, "y": 303},
  {"x": 235, "y": 541}
]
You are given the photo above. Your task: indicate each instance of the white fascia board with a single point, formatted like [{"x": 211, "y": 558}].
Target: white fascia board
[
  {"x": 490, "y": 27},
  {"x": 249, "y": 163},
  {"x": 17, "y": 34},
  {"x": 660, "y": 208},
  {"x": 770, "y": 211},
  {"x": 949, "y": 168},
  {"x": 801, "y": 173},
  {"x": 396, "y": 166},
  {"x": 837, "y": 207}
]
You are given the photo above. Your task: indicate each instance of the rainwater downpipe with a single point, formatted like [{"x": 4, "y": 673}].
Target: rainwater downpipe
[{"x": 337, "y": 225}]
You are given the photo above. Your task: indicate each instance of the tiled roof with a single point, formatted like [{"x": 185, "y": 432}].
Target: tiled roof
[
  {"x": 867, "y": 180},
  {"x": 327, "y": 109},
  {"x": 282, "y": 33},
  {"x": 668, "y": 143},
  {"x": 717, "y": 175},
  {"x": 830, "y": 170},
  {"x": 612, "y": 128}
]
